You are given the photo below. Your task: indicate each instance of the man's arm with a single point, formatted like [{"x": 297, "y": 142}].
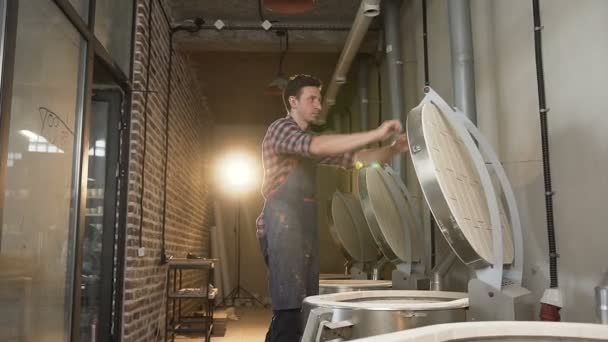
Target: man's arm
[
  {"x": 335, "y": 144},
  {"x": 330, "y": 145},
  {"x": 382, "y": 154}
]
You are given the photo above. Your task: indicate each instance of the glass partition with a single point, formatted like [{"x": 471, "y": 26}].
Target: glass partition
[{"x": 39, "y": 214}]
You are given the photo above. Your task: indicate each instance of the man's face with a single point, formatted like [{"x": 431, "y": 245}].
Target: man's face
[{"x": 308, "y": 106}]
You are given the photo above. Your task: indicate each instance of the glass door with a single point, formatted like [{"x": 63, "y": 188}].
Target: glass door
[{"x": 41, "y": 175}]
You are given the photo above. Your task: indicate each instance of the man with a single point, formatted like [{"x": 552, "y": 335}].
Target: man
[{"x": 287, "y": 227}]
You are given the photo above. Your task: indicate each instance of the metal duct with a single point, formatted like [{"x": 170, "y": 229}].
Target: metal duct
[
  {"x": 367, "y": 11},
  {"x": 363, "y": 83},
  {"x": 394, "y": 65},
  {"x": 463, "y": 73}
]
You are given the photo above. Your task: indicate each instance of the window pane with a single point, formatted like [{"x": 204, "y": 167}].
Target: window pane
[
  {"x": 82, "y": 7},
  {"x": 2, "y": 32},
  {"x": 38, "y": 220},
  {"x": 94, "y": 229},
  {"x": 113, "y": 20}
]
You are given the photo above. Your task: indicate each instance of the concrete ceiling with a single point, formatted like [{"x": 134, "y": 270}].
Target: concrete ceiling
[{"x": 323, "y": 29}]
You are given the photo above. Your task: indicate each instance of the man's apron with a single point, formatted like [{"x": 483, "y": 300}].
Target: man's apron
[{"x": 291, "y": 241}]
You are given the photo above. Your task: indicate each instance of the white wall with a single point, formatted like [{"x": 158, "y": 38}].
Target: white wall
[{"x": 575, "y": 52}]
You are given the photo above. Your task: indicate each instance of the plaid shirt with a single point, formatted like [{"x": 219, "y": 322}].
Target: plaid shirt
[{"x": 283, "y": 143}]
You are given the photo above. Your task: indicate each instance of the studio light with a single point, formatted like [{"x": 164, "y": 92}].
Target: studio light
[{"x": 237, "y": 173}]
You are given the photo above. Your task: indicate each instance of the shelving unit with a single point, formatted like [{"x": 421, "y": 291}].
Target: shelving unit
[{"x": 204, "y": 293}]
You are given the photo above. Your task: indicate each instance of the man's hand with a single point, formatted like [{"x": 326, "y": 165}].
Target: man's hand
[
  {"x": 401, "y": 145},
  {"x": 387, "y": 129}
]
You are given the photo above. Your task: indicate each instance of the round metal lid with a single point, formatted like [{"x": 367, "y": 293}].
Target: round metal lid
[
  {"x": 334, "y": 276},
  {"x": 357, "y": 283},
  {"x": 389, "y": 213},
  {"x": 350, "y": 229},
  {"x": 390, "y": 300},
  {"x": 457, "y": 187},
  {"x": 498, "y": 332}
]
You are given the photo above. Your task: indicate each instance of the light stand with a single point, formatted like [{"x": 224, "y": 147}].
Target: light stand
[{"x": 239, "y": 292}]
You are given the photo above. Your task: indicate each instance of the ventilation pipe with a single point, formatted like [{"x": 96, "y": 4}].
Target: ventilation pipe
[
  {"x": 485, "y": 79},
  {"x": 394, "y": 68},
  {"x": 461, "y": 40},
  {"x": 363, "y": 82},
  {"x": 366, "y": 13}
]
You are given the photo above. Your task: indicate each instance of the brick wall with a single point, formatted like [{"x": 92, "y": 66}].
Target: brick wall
[{"x": 189, "y": 213}]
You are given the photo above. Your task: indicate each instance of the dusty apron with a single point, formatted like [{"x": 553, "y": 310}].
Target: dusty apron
[{"x": 291, "y": 242}]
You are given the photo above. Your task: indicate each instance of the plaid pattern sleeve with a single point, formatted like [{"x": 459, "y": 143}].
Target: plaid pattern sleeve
[
  {"x": 345, "y": 161},
  {"x": 286, "y": 137},
  {"x": 284, "y": 141}
]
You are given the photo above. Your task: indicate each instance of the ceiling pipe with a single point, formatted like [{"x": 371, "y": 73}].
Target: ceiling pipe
[
  {"x": 463, "y": 73},
  {"x": 365, "y": 14},
  {"x": 363, "y": 83},
  {"x": 394, "y": 68},
  {"x": 255, "y": 26},
  {"x": 289, "y": 6}
]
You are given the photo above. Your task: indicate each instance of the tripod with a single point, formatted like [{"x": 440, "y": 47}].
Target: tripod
[{"x": 239, "y": 292}]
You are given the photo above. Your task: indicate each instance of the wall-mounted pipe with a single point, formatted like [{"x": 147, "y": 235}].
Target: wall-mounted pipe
[
  {"x": 543, "y": 110},
  {"x": 440, "y": 270},
  {"x": 463, "y": 73},
  {"x": 367, "y": 11},
  {"x": 378, "y": 268},
  {"x": 551, "y": 302},
  {"x": 255, "y": 26},
  {"x": 425, "y": 44},
  {"x": 363, "y": 85},
  {"x": 191, "y": 26},
  {"x": 394, "y": 68}
]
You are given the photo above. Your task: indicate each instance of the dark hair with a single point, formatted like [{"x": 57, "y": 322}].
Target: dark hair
[{"x": 295, "y": 85}]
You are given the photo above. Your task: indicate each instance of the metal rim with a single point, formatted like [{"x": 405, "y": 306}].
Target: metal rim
[
  {"x": 423, "y": 164},
  {"x": 508, "y": 330},
  {"x": 433, "y": 194},
  {"x": 334, "y": 234},
  {"x": 449, "y": 300},
  {"x": 359, "y": 225},
  {"x": 368, "y": 210},
  {"x": 515, "y": 271},
  {"x": 356, "y": 283},
  {"x": 414, "y": 221}
]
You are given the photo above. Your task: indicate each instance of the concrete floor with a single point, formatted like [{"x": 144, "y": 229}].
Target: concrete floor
[{"x": 251, "y": 326}]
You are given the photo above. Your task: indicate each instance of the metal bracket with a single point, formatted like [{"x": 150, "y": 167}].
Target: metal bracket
[
  {"x": 314, "y": 326},
  {"x": 335, "y": 330}
]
